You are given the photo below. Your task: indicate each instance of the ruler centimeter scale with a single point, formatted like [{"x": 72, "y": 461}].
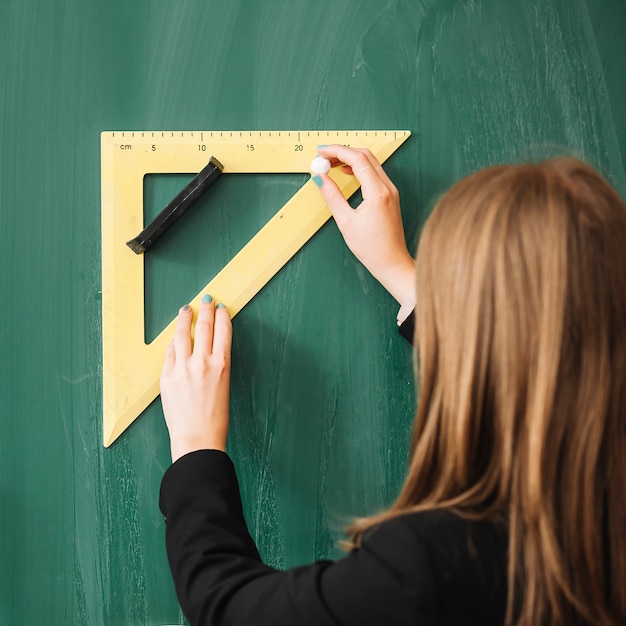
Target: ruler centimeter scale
[{"x": 131, "y": 367}]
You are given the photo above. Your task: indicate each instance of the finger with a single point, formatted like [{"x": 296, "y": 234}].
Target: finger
[
  {"x": 203, "y": 339},
  {"x": 373, "y": 164},
  {"x": 346, "y": 169},
  {"x": 363, "y": 164},
  {"x": 376, "y": 166},
  {"x": 170, "y": 358},
  {"x": 334, "y": 199},
  {"x": 182, "y": 334},
  {"x": 222, "y": 338},
  {"x": 339, "y": 153}
]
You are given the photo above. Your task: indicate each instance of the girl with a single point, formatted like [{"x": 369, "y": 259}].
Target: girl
[{"x": 514, "y": 508}]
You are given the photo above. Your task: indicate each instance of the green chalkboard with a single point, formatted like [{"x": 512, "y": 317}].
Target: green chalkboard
[{"x": 323, "y": 391}]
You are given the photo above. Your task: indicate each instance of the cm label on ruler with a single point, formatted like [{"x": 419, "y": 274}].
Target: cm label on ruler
[{"x": 131, "y": 367}]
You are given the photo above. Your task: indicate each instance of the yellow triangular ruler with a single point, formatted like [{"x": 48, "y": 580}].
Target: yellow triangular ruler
[{"x": 131, "y": 368}]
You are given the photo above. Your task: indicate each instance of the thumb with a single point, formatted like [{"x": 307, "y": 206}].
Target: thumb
[{"x": 334, "y": 199}]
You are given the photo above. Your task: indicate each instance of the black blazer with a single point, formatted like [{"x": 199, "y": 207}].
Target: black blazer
[
  {"x": 421, "y": 569},
  {"x": 407, "y": 328}
]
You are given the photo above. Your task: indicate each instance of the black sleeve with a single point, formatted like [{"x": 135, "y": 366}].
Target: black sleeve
[
  {"x": 407, "y": 328},
  {"x": 220, "y": 578}
]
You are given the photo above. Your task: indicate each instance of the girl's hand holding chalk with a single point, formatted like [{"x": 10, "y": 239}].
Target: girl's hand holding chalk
[{"x": 373, "y": 231}]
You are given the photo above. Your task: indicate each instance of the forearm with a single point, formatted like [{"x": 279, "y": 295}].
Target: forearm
[
  {"x": 217, "y": 571},
  {"x": 207, "y": 540},
  {"x": 397, "y": 277}
]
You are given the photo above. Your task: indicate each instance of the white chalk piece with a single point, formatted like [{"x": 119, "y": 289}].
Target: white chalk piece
[{"x": 320, "y": 165}]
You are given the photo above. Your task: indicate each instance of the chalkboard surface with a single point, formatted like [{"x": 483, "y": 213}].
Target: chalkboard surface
[{"x": 323, "y": 392}]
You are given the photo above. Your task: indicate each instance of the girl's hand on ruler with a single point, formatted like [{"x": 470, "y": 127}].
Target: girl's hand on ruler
[
  {"x": 373, "y": 231},
  {"x": 195, "y": 382}
]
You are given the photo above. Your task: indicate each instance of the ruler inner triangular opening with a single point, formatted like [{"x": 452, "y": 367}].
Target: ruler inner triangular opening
[{"x": 177, "y": 267}]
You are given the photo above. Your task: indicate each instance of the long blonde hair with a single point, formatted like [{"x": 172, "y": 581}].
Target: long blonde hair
[{"x": 521, "y": 354}]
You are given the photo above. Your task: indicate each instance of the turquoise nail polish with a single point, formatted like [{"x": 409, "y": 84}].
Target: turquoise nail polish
[
  {"x": 221, "y": 306},
  {"x": 317, "y": 180},
  {"x": 322, "y": 147},
  {"x": 207, "y": 298}
]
